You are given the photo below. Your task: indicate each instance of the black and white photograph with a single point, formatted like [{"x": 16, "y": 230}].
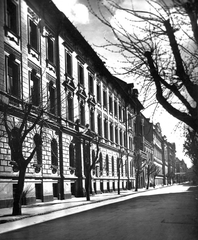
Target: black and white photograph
[{"x": 98, "y": 119}]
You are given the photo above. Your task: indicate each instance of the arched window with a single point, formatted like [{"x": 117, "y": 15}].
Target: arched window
[{"x": 54, "y": 152}]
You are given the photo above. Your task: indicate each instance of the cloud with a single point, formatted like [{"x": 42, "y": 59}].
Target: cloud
[
  {"x": 80, "y": 13},
  {"x": 76, "y": 12}
]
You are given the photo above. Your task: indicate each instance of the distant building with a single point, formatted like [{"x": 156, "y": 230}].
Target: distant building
[
  {"x": 158, "y": 153},
  {"x": 180, "y": 171}
]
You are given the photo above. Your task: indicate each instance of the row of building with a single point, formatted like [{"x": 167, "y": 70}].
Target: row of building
[{"x": 46, "y": 62}]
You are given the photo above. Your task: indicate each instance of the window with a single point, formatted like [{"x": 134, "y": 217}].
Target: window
[
  {"x": 54, "y": 152},
  {"x": 121, "y": 140},
  {"x": 123, "y": 115},
  {"x": 122, "y": 169},
  {"x": 82, "y": 113},
  {"x": 34, "y": 88},
  {"x": 99, "y": 125},
  {"x": 33, "y": 36},
  {"x": 50, "y": 50},
  {"x": 101, "y": 163},
  {"x": 131, "y": 168},
  {"x": 125, "y": 142},
  {"x": 118, "y": 165},
  {"x": 130, "y": 143},
  {"x": 70, "y": 108},
  {"x": 110, "y": 104},
  {"x": 98, "y": 93},
  {"x": 104, "y": 98},
  {"x": 91, "y": 84},
  {"x": 112, "y": 165},
  {"x": 72, "y": 158},
  {"x": 80, "y": 74},
  {"x": 12, "y": 76},
  {"x": 92, "y": 126},
  {"x": 12, "y": 16},
  {"x": 38, "y": 154},
  {"x": 111, "y": 132},
  {"x": 115, "y": 108},
  {"x": 107, "y": 165},
  {"x": 120, "y": 112},
  {"x": 126, "y": 169},
  {"x": 130, "y": 121},
  {"x": 52, "y": 98},
  {"x": 106, "y": 128},
  {"x": 116, "y": 135},
  {"x": 68, "y": 64}
]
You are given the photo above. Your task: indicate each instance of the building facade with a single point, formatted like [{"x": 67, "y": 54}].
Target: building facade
[
  {"x": 158, "y": 153},
  {"x": 47, "y": 63}
]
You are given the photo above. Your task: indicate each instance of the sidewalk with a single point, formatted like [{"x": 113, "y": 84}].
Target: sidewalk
[{"x": 45, "y": 211}]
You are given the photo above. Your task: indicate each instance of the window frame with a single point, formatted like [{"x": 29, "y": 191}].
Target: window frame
[
  {"x": 14, "y": 30},
  {"x": 81, "y": 77},
  {"x": 98, "y": 92},
  {"x": 70, "y": 107},
  {"x": 92, "y": 119},
  {"x": 52, "y": 104},
  {"x": 50, "y": 54},
  {"x": 10, "y": 63},
  {"x": 91, "y": 83},
  {"x": 82, "y": 112},
  {"x": 33, "y": 77},
  {"x": 31, "y": 35},
  {"x": 68, "y": 64},
  {"x": 54, "y": 152}
]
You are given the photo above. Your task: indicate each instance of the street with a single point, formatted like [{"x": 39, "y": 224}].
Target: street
[{"x": 165, "y": 214}]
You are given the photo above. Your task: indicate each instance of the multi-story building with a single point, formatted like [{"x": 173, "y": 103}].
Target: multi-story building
[
  {"x": 158, "y": 153},
  {"x": 47, "y": 63},
  {"x": 171, "y": 162},
  {"x": 180, "y": 171},
  {"x": 165, "y": 160}
]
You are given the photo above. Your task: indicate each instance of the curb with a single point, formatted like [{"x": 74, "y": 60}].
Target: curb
[{"x": 26, "y": 215}]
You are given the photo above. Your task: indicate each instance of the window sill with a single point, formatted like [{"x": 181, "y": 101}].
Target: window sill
[{"x": 12, "y": 36}]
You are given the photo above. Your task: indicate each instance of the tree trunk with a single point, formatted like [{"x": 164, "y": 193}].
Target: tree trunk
[
  {"x": 119, "y": 182},
  {"x": 87, "y": 186},
  {"x": 136, "y": 181},
  {"x": 18, "y": 194},
  {"x": 148, "y": 176}
]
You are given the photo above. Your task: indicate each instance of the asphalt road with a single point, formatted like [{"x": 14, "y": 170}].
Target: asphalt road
[{"x": 163, "y": 214}]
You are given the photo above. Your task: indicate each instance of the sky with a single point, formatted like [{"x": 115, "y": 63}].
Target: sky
[{"x": 95, "y": 32}]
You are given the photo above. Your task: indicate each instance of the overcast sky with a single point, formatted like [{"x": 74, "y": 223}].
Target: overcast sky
[{"x": 94, "y": 32}]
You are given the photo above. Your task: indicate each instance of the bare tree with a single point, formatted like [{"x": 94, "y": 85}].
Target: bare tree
[
  {"x": 151, "y": 170},
  {"x": 159, "y": 47},
  {"x": 90, "y": 163},
  {"x": 17, "y": 134},
  {"x": 139, "y": 165},
  {"x": 191, "y": 149},
  {"x": 156, "y": 171}
]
